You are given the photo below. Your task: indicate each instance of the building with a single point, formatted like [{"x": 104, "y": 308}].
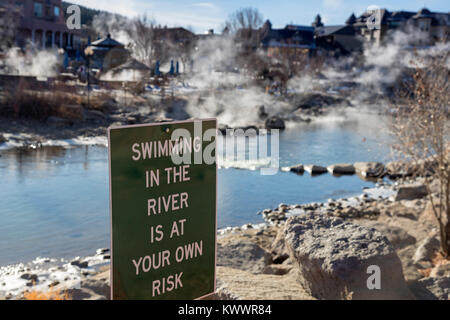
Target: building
[
  {"x": 336, "y": 40},
  {"x": 435, "y": 26},
  {"x": 291, "y": 41},
  {"x": 8, "y": 22},
  {"x": 41, "y": 23},
  {"x": 107, "y": 53}
]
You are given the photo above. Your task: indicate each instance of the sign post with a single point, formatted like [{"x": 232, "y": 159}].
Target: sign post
[{"x": 163, "y": 181}]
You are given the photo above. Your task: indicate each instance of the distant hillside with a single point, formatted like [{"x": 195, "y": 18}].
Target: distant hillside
[{"x": 87, "y": 14}]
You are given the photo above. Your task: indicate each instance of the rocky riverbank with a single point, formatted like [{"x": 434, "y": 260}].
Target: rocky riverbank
[{"x": 309, "y": 251}]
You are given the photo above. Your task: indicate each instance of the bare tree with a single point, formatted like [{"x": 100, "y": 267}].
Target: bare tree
[
  {"x": 244, "y": 24},
  {"x": 142, "y": 32},
  {"x": 244, "y": 19},
  {"x": 421, "y": 126}
]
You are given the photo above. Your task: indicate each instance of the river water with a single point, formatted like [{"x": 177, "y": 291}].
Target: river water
[{"x": 54, "y": 201}]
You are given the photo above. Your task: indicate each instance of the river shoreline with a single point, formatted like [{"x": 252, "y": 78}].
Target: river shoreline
[{"x": 88, "y": 277}]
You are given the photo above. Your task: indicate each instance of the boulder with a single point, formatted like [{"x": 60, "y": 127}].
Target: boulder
[
  {"x": 243, "y": 255},
  {"x": 333, "y": 259},
  {"x": 342, "y": 169},
  {"x": 426, "y": 249},
  {"x": 79, "y": 264},
  {"x": 2, "y": 139},
  {"x": 428, "y": 214},
  {"x": 275, "y": 123},
  {"x": 315, "y": 170},
  {"x": 262, "y": 114},
  {"x": 398, "y": 237},
  {"x": 298, "y": 169},
  {"x": 233, "y": 284},
  {"x": 29, "y": 276},
  {"x": 397, "y": 169},
  {"x": 279, "y": 250},
  {"x": 432, "y": 288},
  {"x": 102, "y": 251},
  {"x": 369, "y": 169},
  {"x": 411, "y": 192}
]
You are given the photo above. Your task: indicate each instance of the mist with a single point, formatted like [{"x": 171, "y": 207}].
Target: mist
[{"x": 38, "y": 63}]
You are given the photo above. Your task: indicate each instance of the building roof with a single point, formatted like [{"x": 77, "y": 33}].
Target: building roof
[
  {"x": 330, "y": 30},
  {"x": 175, "y": 34},
  {"x": 395, "y": 17},
  {"x": 351, "y": 19},
  {"x": 290, "y": 36},
  {"x": 107, "y": 42},
  {"x": 423, "y": 13},
  {"x": 131, "y": 64}
]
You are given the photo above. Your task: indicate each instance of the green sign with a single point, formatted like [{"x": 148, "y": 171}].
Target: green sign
[{"x": 163, "y": 210}]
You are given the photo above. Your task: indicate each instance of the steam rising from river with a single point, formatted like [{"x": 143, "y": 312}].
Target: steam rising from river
[
  {"x": 231, "y": 97},
  {"x": 38, "y": 63}
]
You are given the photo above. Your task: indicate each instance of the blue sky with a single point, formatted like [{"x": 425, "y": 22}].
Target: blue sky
[{"x": 203, "y": 14}]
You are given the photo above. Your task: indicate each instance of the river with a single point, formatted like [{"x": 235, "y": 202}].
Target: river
[{"x": 54, "y": 201}]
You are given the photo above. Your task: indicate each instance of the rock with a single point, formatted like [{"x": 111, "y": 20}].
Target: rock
[
  {"x": 131, "y": 120},
  {"x": 411, "y": 192},
  {"x": 298, "y": 169},
  {"x": 243, "y": 255},
  {"x": 29, "y": 276},
  {"x": 369, "y": 169},
  {"x": 59, "y": 122},
  {"x": 426, "y": 249},
  {"x": 342, "y": 169},
  {"x": 262, "y": 114},
  {"x": 102, "y": 251},
  {"x": 317, "y": 100},
  {"x": 233, "y": 284},
  {"x": 275, "y": 123},
  {"x": 79, "y": 264},
  {"x": 398, "y": 237},
  {"x": 398, "y": 169},
  {"x": 432, "y": 288},
  {"x": 442, "y": 270},
  {"x": 100, "y": 288},
  {"x": 2, "y": 139},
  {"x": 279, "y": 250},
  {"x": 333, "y": 257},
  {"x": 277, "y": 269},
  {"x": 427, "y": 167},
  {"x": 315, "y": 170},
  {"x": 428, "y": 214}
]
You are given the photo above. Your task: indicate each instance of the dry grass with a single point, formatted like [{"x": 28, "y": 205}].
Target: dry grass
[
  {"x": 52, "y": 294},
  {"x": 22, "y": 101}
]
